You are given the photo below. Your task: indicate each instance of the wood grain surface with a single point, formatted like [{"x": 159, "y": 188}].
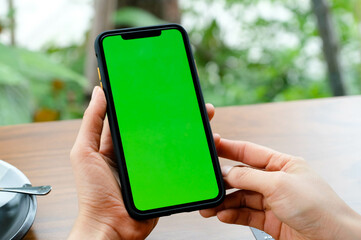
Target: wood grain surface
[
  {"x": 326, "y": 132},
  {"x": 41, "y": 151}
]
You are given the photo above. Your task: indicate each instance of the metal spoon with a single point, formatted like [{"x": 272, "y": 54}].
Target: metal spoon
[{"x": 28, "y": 189}]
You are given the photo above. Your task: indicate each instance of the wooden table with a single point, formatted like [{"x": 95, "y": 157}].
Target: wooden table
[{"x": 327, "y": 133}]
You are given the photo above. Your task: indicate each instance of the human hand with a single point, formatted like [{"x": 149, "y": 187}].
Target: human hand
[
  {"x": 281, "y": 195},
  {"x": 102, "y": 214}
]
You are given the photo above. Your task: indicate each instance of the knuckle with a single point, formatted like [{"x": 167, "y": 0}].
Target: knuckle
[
  {"x": 242, "y": 150},
  {"x": 296, "y": 164},
  {"x": 249, "y": 219},
  {"x": 299, "y": 160},
  {"x": 275, "y": 156}
]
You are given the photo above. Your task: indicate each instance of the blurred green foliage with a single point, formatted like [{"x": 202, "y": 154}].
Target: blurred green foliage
[
  {"x": 277, "y": 56},
  {"x": 135, "y": 17},
  {"x": 248, "y": 51},
  {"x": 35, "y": 87}
]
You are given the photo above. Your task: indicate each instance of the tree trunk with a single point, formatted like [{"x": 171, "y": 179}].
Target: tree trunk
[
  {"x": 102, "y": 21},
  {"x": 12, "y": 22},
  {"x": 164, "y": 9},
  {"x": 330, "y": 45},
  {"x": 167, "y": 10}
]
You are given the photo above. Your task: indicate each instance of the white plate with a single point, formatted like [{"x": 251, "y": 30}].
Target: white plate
[{"x": 17, "y": 211}]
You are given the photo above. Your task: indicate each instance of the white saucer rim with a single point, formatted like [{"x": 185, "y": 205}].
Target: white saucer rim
[
  {"x": 30, "y": 217},
  {"x": 18, "y": 173}
]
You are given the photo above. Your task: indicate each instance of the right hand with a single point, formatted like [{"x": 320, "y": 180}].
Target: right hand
[{"x": 282, "y": 197}]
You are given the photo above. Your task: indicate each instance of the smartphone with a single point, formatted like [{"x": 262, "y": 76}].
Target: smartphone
[{"x": 160, "y": 129}]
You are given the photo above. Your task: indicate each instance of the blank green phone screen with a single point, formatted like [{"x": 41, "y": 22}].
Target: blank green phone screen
[{"x": 160, "y": 124}]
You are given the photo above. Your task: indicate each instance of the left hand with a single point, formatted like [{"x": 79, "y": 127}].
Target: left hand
[{"x": 102, "y": 214}]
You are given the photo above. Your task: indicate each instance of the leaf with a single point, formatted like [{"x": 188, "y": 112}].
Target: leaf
[
  {"x": 29, "y": 79},
  {"x": 38, "y": 65},
  {"x": 9, "y": 56},
  {"x": 10, "y": 76},
  {"x": 135, "y": 17},
  {"x": 15, "y": 106}
]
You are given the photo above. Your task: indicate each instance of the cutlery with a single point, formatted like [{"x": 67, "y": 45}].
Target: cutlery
[{"x": 28, "y": 189}]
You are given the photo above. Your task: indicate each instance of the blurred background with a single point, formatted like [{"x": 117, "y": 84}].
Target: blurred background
[{"x": 247, "y": 51}]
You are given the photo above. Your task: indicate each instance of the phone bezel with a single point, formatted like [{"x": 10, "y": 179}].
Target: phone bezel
[{"x": 113, "y": 123}]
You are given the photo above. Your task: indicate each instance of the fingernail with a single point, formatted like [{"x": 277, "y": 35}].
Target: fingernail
[
  {"x": 226, "y": 169},
  {"x": 95, "y": 91}
]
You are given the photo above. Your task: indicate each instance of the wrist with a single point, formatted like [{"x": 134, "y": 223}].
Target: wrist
[
  {"x": 349, "y": 226},
  {"x": 87, "y": 228}
]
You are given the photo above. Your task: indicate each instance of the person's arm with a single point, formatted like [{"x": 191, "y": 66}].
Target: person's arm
[
  {"x": 281, "y": 195},
  {"x": 85, "y": 228}
]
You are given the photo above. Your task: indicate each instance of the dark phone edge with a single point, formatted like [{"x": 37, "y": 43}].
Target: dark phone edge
[{"x": 123, "y": 173}]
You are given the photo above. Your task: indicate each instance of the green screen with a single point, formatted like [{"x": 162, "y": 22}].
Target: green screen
[{"x": 164, "y": 142}]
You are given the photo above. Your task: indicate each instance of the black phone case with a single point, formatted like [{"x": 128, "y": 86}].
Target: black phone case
[{"x": 118, "y": 149}]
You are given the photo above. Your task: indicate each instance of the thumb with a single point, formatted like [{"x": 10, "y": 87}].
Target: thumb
[
  {"x": 247, "y": 178},
  {"x": 93, "y": 119}
]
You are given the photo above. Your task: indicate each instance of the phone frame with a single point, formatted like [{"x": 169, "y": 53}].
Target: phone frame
[{"x": 114, "y": 128}]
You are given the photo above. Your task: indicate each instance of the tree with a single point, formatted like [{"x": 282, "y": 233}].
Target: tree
[
  {"x": 330, "y": 45},
  {"x": 102, "y": 21},
  {"x": 11, "y": 15},
  {"x": 167, "y": 10}
]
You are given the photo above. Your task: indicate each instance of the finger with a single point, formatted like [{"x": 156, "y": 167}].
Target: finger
[
  {"x": 243, "y": 216},
  {"x": 252, "y": 179},
  {"x": 252, "y": 154},
  {"x": 217, "y": 139},
  {"x": 105, "y": 132},
  {"x": 92, "y": 123},
  {"x": 238, "y": 199},
  {"x": 210, "y": 111},
  {"x": 225, "y": 169},
  {"x": 106, "y": 144},
  {"x": 262, "y": 220}
]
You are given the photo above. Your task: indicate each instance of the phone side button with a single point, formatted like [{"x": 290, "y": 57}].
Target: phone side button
[
  {"x": 101, "y": 84},
  {"x": 100, "y": 78},
  {"x": 195, "y": 63}
]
